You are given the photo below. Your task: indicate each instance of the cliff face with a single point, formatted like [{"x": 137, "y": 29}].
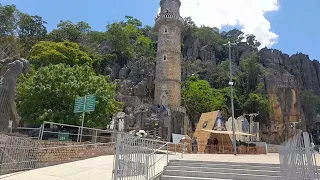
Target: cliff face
[{"x": 284, "y": 79}]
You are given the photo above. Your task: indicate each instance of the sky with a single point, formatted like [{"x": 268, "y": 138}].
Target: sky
[{"x": 288, "y": 25}]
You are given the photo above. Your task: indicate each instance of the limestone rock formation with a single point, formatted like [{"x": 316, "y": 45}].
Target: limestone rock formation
[{"x": 284, "y": 80}]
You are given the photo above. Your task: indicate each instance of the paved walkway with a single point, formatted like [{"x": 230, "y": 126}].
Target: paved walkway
[{"x": 100, "y": 168}]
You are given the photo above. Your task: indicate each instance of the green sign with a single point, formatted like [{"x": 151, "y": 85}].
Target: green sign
[
  {"x": 90, "y": 103},
  {"x": 85, "y": 104},
  {"x": 79, "y": 105},
  {"x": 63, "y": 136}
]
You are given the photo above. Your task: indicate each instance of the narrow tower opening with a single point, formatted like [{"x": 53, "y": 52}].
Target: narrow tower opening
[
  {"x": 167, "y": 11},
  {"x": 165, "y": 30},
  {"x": 165, "y": 57}
]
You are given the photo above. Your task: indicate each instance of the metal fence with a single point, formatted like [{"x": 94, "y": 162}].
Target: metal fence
[
  {"x": 66, "y": 132},
  {"x": 136, "y": 158},
  {"x": 297, "y": 158},
  {"x": 16, "y": 154},
  {"x": 23, "y": 153}
]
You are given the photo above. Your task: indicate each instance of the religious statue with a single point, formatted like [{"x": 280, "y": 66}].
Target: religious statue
[
  {"x": 121, "y": 125},
  {"x": 8, "y": 83}
]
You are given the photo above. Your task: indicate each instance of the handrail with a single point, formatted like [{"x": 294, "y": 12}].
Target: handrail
[
  {"x": 167, "y": 145},
  {"x": 167, "y": 154},
  {"x": 68, "y": 125},
  {"x": 133, "y": 152},
  {"x": 81, "y": 145},
  {"x": 158, "y": 149}
]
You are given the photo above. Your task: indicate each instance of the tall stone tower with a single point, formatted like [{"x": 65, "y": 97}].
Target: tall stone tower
[{"x": 168, "y": 66}]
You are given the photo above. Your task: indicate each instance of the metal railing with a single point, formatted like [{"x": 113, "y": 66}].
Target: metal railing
[
  {"x": 297, "y": 158},
  {"x": 17, "y": 154},
  {"x": 23, "y": 153},
  {"x": 67, "y": 132},
  {"x": 136, "y": 158}
]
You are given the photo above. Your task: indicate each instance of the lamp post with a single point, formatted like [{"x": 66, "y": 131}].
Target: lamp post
[{"x": 231, "y": 83}]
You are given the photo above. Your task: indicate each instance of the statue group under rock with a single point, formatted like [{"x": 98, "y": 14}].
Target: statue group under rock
[{"x": 10, "y": 70}]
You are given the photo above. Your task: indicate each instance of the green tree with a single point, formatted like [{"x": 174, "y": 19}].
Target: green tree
[
  {"x": 234, "y": 36},
  {"x": 256, "y": 103},
  {"x": 46, "y": 52},
  {"x": 132, "y": 31},
  {"x": 210, "y": 36},
  {"x": 252, "y": 41},
  {"x": 68, "y": 31},
  {"x": 143, "y": 47},
  {"x": 310, "y": 103},
  {"x": 8, "y": 20},
  {"x": 31, "y": 30},
  {"x": 49, "y": 95},
  {"x": 238, "y": 110},
  {"x": 9, "y": 44},
  {"x": 133, "y": 21},
  {"x": 97, "y": 37},
  {"x": 120, "y": 40},
  {"x": 252, "y": 71},
  {"x": 199, "y": 97},
  {"x": 189, "y": 28},
  {"x": 221, "y": 74}
]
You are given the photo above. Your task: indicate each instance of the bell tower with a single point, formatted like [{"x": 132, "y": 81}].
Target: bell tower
[{"x": 168, "y": 62}]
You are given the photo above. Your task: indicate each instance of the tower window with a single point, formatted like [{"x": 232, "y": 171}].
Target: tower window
[
  {"x": 165, "y": 57},
  {"x": 165, "y": 30},
  {"x": 167, "y": 11}
]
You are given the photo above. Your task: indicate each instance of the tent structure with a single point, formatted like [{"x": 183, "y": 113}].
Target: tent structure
[
  {"x": 205, "y": 130},
  {"x": 207, "y": 122}
]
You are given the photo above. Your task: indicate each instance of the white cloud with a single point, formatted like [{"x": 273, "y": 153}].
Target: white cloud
[{"x": 249, "y": 14}]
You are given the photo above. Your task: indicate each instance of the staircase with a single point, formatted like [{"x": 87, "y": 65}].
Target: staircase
[{"x": 201, "y": 170}]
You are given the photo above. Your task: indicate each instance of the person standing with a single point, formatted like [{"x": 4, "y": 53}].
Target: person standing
[{"x": 194, "y": 145}]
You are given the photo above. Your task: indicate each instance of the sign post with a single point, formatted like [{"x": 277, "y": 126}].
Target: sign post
[{"x": 83, "y": 105}]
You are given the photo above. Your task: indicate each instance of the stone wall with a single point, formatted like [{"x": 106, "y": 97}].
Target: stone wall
[
  {"x": 53, "y": 152},
  {"x": 273, "y": 148}
]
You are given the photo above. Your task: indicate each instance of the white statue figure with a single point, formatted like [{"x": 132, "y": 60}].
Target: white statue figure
[
  {"x": 141, "y": 133},
  {"x": 121, "y": 125},
  {"x": 112, "y": 124}
]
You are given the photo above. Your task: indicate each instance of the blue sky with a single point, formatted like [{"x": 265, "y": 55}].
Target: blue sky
[{"x": 294, "y": 22}]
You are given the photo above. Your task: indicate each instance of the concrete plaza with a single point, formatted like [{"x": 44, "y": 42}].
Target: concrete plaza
[{"x": 100, "y": 168}]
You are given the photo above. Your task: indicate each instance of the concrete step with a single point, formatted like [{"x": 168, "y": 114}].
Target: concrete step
[
  {"x": 188, "y": 178},
  {"x": 238, "y": 170},
  {"x": 218, "y": 175},
  {"x": 225, "y": 165}
]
